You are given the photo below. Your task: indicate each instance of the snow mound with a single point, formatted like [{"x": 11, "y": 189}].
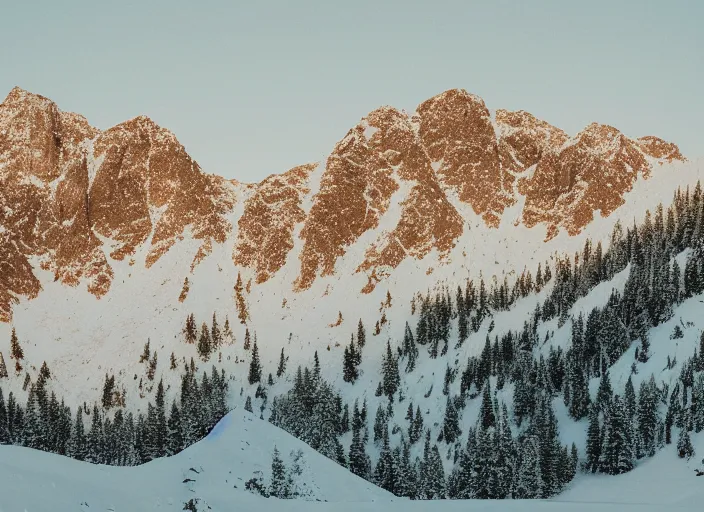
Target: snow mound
[{"x": 212, "y": 472}]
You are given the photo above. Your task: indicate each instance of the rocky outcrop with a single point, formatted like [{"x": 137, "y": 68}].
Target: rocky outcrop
[
  {"x": 66, "y": 187},
  {"x": 266, "y": 227}
]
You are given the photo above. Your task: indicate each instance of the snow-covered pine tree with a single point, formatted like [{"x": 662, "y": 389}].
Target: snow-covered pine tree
[
  {"x": 390, "y": 376},
  {"x": 174, "y": 441},
  {"x": 410, "y": 350},
  {"x": 616, "y": 454},
  {"x": 528, "y": 482},
  {"x": 451, "y": 424},
  {"x": 255, "y": 367},
  {"x": 279, "y": 483},
  {"x": 594, "y": 440},
  {"x": 349, "y": 366},
  {"x": 648, "y": 416},
  {"x": 685, "y": 449},
  {"x": 247, "y": 339}
]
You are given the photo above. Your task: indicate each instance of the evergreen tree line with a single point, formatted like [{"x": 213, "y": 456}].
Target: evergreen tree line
[
  {"x": 655, "y": 281},
  {"x": 121, "y": 438},
  {"x": 533, "y": 464}
]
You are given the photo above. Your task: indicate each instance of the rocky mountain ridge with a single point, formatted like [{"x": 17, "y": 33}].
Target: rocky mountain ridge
[{"x": 74, "y": 200}]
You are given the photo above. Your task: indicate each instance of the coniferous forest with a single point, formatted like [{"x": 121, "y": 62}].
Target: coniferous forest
[{"x": 511, "y": 448}]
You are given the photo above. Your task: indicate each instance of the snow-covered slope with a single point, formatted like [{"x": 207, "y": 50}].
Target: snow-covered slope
[
  {"x": 213, "y": 472},
  {"x": 33, "y": 481},
  {"x": 110, "y": 224}
]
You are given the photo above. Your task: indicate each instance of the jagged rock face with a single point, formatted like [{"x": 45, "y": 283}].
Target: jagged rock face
[
  {"x": 65, "y": 184},
  {"x": 458, "y": 133},
  {"x": 523, "y": 139},
  {"x": 73, "y": 198},
  {"x": 591, "y": 172},
  {"x": 146, "y": 183},
  {"x": 382, "y": 155},
  {"x": 266, "y": 227},
  {"x": 43, "y": 209}
]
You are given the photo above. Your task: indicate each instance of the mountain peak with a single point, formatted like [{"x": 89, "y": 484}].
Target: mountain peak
[{"x": 19, "y": 95}]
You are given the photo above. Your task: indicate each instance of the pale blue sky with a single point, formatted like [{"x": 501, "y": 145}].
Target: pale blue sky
[{"x": 255, "y": 88}]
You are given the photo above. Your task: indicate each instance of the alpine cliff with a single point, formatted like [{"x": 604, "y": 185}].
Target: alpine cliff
[{"x": 75, "y": 200}]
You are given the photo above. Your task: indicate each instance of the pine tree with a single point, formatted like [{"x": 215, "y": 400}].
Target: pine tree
[
  {"x": 390, "y": 377},
  {"x": 151, "y": 369},
  {"x": 604, "y": 393},
  {"x": 349, "y": 363},
  {"x": 160, "y": 428},
  {"x": 79, "y": 447},
  {"x": 648, "y": 418},
  {"x": 359, "y": 462},
  {"x": 146, "y": 353},
  {"x": 361, "y": 335},
  {"x": 593, "y": 441},
  {"x": 242, "y": 313},
  {"x": 247, "y": 339},
  {"x": 616, "y": 455},
  {"x": 16, "y": 351},
  {"x": 4, "y": 431},
  {"x": 316, "y": 366},
  {"x": 451, "y": 425},
  {"x": 282, "y": 364},
  {"x": 578, "y": 385},
  {"x": 175, "y": 437},
  {"x": 279, "y": 485},
  {"x": 190, "y": 330},
  {"x": 227, "y": 330},
  {"x": 204, "y": 343},
  {"x": 416, "y": 431},
  {"x": 215, "y": 333},
  {"x": 380, "y": 424},
  {"x": 385, "y": 474},
  {"x": 3, "y": 367},
  {"x": 529, "y": 482},
  {"x": 684, "y": 445},
  {"x": 95, "y": 438},
  {"x": 487, "y": 415},
  {"x": 255, "y": 367},
  {"x": 410, "y": 350},
  {"x": 108, "y": 389}
]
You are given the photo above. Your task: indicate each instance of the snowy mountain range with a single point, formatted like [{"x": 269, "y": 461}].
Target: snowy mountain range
[{"x": 112, "y": 239}]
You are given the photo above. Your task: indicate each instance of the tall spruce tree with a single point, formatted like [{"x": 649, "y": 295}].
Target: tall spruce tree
[{"x": 255, "y": 367}]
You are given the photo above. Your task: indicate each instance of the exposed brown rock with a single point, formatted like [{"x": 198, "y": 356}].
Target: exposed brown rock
[
  {"x": 523, "y": 139},
  {"x": 376, "y": 158},
  {"x": 427, "y": 219},
  {"x": 658, "y": 148},
  {"x": 592, "y": 172},
  {"x": 265, "y": 234},
  {"x": 457, "y": 132},
  {"x": 64, "y": 184}
]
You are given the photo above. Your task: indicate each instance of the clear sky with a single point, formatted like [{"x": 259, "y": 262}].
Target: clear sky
[{"x": 254, "y": 88}]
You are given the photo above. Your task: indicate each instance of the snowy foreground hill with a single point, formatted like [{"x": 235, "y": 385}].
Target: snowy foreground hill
[{"x": 214, "y": 471}]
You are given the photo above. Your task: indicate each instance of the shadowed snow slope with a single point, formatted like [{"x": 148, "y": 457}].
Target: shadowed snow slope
[{"x": 213, "y": 473}]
